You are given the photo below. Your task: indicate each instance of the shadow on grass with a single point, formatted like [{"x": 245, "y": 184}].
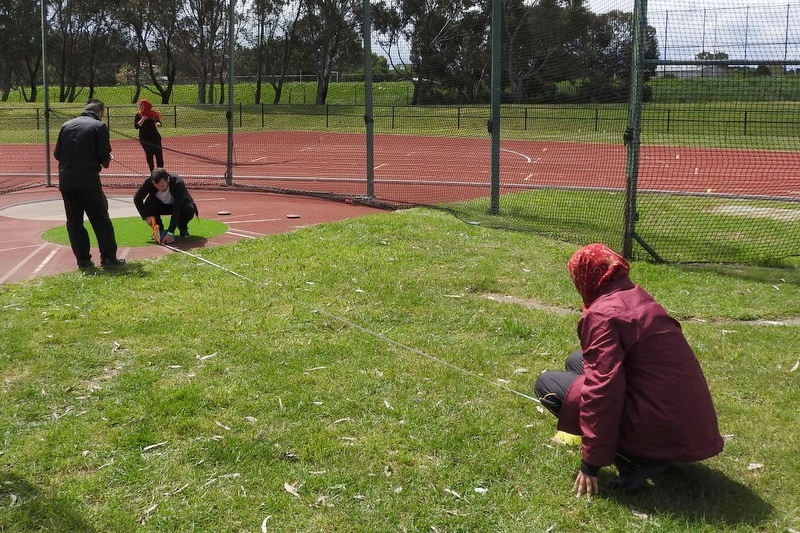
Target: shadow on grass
[
  {"x": 185, "y": 243},
  {"x": 131, "y": 268},
  {"x": 32, "y": 509},
  {"x": 134, "y": 268},
  {"x": 189, "y": 243},
  {"x": 701, "y": 495}
]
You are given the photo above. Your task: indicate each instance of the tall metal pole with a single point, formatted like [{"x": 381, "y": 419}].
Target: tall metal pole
[
  {"x": 632, "y": 135},
  {"x": 369, "y": 119},
  {"x": 46, "y": 89},
  {"x": 494, "y": 122},
  {"x": 231, "y": 48}
]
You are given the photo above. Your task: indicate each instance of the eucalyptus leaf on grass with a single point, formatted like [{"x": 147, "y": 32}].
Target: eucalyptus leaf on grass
[{"x": 361, "y": 379}]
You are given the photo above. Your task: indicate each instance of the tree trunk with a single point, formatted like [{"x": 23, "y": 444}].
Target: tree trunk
[{"x": 322, "y": 88}]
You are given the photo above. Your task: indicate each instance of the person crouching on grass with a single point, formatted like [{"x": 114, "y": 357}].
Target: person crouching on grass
[
  {"x": 166, "y": 194},
  {"x": 635, "y": 391}
]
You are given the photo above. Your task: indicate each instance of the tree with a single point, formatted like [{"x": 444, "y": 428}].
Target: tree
[
  {"x": 66, "y": 45},
  {"x": 271, "y": 39},
  {"x": 718, "y": 56},
  {"x": 154, "y": 26},
  {"x": 327, "y": 31},
  {"x": 203, "y": 39},
  {"x": 20, "y": 47},
  {"x": 605, "y": 52},
  {"x": 82, "y": 45},
  {"x": 104, "y": 47},
  {"x": 537, "y": 46},
  {"x": 437, "y": 40}
]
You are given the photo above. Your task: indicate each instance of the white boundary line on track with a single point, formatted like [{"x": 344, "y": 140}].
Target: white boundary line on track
[{"x": 23, "y": 262}]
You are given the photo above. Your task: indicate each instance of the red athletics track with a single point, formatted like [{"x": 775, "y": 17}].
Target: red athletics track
[
  {"x": 416, "y": 169},
  {"x": 407, "y": 169}
]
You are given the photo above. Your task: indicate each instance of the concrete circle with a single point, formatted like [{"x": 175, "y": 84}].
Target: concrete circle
[{"x": 118, "y": 207}]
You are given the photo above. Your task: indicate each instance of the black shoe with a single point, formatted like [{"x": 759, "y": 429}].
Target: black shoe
[
  {"x": 85, "y": 265},
  {"x": 112, "y": 263},
  {"x": 184, "y": 232},
  {"x": 633, "y": 475}
]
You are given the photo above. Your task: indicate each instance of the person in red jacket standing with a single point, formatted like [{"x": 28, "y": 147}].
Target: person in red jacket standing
[
  {"x": 147, "y": 121},
  {"x": 635, "y": 391}
]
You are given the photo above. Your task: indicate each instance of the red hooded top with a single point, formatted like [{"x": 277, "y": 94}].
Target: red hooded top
[
  {"x": 643, "y": 392},
  {"x": 146, "y": 110}
]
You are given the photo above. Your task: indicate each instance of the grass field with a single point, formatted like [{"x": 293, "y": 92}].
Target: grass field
[
  {"x": 361, "y": 379},
  {"x": 761, "y": 113},
  {"x": 718, "y": 228}
]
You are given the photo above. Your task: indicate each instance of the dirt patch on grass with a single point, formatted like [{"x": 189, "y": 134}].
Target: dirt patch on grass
[
  {"x": 782, "y": 215},
  {"x": 533, "y": 304}
]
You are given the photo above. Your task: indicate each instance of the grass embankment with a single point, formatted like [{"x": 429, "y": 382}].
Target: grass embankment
[{"x": 759, "y": 113}]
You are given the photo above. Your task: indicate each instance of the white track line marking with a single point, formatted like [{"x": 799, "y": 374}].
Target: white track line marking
[
  {"x": 244, "y": 236},
  {"x": 251, "y": 221},
  {"x": 44, "y": 262},
  {"x": 22, "y": 263},
  {"x": 17, "y": 248},
  {"x": 528, "y": 159}
]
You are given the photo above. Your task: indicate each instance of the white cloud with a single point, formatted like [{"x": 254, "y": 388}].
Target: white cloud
[{"x": 752, "y": 30}]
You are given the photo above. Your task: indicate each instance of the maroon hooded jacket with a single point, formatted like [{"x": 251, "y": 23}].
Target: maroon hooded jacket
[{"x": 643, "y": 392}]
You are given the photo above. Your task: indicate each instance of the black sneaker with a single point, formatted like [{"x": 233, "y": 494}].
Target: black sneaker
[
  {"x": 184, "y": 232},
  {"x": 112, "y": 263},
  {"x": 633, "y": 475},
  {"x": 85, "y": 265}
]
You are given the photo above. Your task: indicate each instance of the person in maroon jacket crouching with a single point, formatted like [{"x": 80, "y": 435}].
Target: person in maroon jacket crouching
[{"x": 635, "y": 391}]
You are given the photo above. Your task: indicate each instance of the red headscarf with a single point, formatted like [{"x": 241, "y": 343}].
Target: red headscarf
[
  {"x": 146, "y": 110},
  {"x": 593, "y": 266}
]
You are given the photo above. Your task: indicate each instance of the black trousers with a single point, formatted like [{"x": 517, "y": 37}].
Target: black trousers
[
  {"x": 153, "y": 207},
  {"x": 153, "y": 153},
  {"x": 95, "y": 204},
  {"x": 552, "y": 385},
  {"x": 551, "y": 388}
]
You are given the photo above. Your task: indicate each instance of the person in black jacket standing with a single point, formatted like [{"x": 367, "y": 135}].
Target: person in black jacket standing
[
  {"x": 83, "y": 148},
  {"x": 166, "y": 194},
  {"x": 147, "y": 121}
]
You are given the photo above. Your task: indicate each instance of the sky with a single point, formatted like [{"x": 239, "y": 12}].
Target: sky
[
  {"x": 746, "y": 30},
  {"x": 757, "y": 30}
]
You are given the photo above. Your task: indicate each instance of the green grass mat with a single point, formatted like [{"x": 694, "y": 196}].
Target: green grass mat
[{"x": 133, "y": 231}]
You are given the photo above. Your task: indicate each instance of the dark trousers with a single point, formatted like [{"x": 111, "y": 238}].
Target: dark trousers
[
  {"x": 153, "y": 153},
  {"x": 95, "y": 204},
  {"x": 551, "y": 386},
  {"x": 153, "y": 207}
]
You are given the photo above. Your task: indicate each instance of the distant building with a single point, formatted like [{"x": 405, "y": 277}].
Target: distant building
[{"x": 693, "y": 71}]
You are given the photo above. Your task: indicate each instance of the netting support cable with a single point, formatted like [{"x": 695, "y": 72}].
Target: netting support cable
[{"x": 649, "y": 249}]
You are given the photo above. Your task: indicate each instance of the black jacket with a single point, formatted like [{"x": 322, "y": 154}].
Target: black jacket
[
  {"x": 82, "y": 149},
  {"x": 180, "y": 195},
  {"x": 148, "y": 131}
]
